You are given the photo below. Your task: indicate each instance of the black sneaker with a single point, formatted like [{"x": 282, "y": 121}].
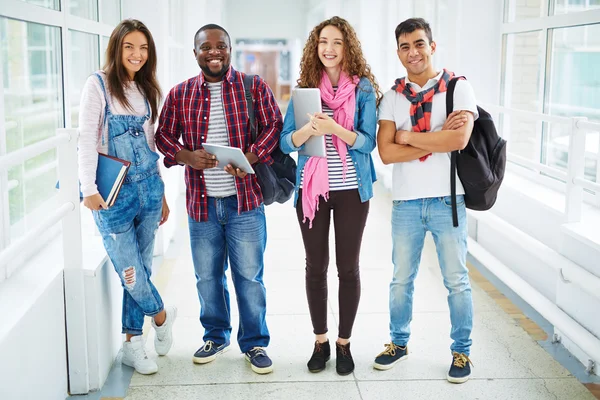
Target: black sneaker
[
  {"x": 460, "y": 370},
  {"x": 320, "y": 356},
  {"x": 390, "y": 356},
  {"x": 344, "y": 364}
]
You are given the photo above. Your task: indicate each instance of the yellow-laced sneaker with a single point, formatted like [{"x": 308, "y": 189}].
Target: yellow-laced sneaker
[
  {"x": 390, "y": 356},
  {"x": 460, "y": 370}
]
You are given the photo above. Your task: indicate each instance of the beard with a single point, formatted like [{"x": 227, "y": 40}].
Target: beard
[{"x": 219, "y": 74}]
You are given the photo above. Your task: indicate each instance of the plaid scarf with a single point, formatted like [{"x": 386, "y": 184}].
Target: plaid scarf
[{"x": 420, "y": 103}]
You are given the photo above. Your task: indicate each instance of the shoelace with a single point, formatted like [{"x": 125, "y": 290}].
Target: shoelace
[
  {"x": 461, "y": 360},
  {"x": 318, "y": 347},
  {"x": 390, "y": 350},
  {"x": 257, "y": 351},
  {"x": 208, "y": 346},
  {"x": 344, "y": 349},
  {"x": 140, "y": 352}
]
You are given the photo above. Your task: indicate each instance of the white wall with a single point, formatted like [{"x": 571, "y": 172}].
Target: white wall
[
  {"x": 33, "y": 364},
  {"x": 264, "y": 19}
]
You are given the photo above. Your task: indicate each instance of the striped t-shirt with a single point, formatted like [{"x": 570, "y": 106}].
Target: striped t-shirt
[
  {"x": 218, "y": 182},
  {"x": 334, "y": 163}
]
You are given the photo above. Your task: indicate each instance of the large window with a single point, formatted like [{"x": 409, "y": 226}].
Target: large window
[
  {"x": 522, "y": 82},
  {"x": 551, "y": 66},
  {"x": 574, "y": 91},
  {"x": 38, "y": 97},
  {"x": 33, "y": 109}
]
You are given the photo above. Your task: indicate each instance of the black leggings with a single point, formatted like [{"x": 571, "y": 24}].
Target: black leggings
[{"x": 349, "y": 218}]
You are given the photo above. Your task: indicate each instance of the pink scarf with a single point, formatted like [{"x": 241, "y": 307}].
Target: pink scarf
[{"x": 316, "y": 174}]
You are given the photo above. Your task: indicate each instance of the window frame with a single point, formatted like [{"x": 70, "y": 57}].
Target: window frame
[
  {"x": 547, "y": 23},
  {"x": 65, "y": 22}
]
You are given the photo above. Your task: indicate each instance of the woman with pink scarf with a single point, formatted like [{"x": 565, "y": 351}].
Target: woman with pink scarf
[{"x": 340, "y": 184}]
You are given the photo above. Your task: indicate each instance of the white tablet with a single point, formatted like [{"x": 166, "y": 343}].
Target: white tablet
[
  {"x": 308, "y": 101},
  {"x": 229, "y": 155}
]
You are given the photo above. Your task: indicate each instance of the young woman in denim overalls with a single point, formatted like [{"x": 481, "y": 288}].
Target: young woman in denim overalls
[{"x": 118, "y": 109}]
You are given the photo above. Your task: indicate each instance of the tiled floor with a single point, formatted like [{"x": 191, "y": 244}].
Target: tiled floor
[{"x": 508, "y": 361}]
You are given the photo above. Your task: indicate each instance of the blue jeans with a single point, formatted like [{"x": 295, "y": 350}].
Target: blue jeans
[
  {"x": 128, "y": 229},
  {"x": 239, "y": 240},
  {"x": 411, "y": 219}
]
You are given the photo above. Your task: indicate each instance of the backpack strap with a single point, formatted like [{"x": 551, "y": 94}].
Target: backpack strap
[
  {"x": 247, "y": 81},
  {"x": 449, "y": 108}
]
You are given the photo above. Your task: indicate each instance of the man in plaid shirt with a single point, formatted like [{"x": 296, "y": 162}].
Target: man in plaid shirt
[{"x": 225, "y": 205}]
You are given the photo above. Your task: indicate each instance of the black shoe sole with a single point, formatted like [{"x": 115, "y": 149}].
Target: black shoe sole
[
  {"x": 314, "y": 371},
  {"x": 344, "y": 373}
]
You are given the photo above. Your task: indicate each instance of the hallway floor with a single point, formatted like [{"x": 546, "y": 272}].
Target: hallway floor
[{"x": 508, "y": 361}]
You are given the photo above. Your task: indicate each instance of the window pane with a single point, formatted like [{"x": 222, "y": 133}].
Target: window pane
[
  {"x": 87, "y": 9},
  {"x": 103, "y": 45},
  {"x": 517, "y": 10},
  {"x": 33, "y": 108},
  {"x": 521, "y": 90},
  {"x": 111, "y": 12},
  {"x": 51, "y": 4},
  {"x": 569, "y": 6},
  {"x": 83, "y": 60},
  {"x": 574, "y": 91}
]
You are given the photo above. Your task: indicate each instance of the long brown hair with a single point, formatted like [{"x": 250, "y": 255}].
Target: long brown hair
[
  {"x": 116, "y": 74},
  {"x": 353, "y": 62}
]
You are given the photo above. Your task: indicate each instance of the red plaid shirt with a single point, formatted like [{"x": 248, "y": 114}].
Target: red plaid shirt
[{"x": 186, "y": 113}]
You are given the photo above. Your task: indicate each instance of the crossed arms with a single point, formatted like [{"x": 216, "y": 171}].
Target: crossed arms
[{"x": 402, "y": 146}]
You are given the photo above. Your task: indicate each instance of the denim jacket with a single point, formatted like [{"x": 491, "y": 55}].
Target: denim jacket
[{"x": 365, "y": 126}]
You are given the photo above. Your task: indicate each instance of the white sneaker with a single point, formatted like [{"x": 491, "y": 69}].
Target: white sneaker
[
  {"x": 134, "y": 355},
  {"x": 164, "y": 333}
]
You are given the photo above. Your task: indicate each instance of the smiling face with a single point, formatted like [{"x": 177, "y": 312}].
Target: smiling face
[
  {"x": 213, "y": 53},
  {"x": 331, "y": 47},
  {"x": 415, "y": 53},
  {"x": 134, "y": 52}
]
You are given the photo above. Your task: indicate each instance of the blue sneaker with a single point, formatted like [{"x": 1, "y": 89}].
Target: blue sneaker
[
  {"x": 390, "y": 356},
  {"x": 209, "y": 352},
  {"x": 460, "y": 370},
  {"x": 259, "y": 360}
]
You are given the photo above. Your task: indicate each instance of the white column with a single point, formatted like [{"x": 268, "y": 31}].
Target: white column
[{"x": 73, "y": 271}]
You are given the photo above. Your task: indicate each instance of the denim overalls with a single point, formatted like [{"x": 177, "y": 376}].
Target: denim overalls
[{"x": 129, "y": 226}]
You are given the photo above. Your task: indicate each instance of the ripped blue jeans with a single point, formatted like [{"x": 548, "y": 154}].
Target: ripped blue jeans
[{"x": 128, "y": 229}]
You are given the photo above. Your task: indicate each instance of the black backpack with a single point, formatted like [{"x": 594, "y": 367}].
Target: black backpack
[
  {"x": 480, "y": 165},
  {"x": 276, "y": 181}
]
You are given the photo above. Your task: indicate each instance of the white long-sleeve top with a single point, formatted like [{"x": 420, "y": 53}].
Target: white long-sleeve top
[{"x": 92, "y": 127}]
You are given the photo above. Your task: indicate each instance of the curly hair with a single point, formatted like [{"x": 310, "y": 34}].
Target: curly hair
[{"x": 353, "y": 62}]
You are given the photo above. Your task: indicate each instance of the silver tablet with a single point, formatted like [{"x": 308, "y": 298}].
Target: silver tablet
[
  {"x": 229, "y": 155},
  {"x": 308, "y": 101}
]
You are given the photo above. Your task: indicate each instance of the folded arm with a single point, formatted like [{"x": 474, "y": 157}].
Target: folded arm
[
  {"x": 391, "y": 152},
  {"x": 443, "y": 141}
]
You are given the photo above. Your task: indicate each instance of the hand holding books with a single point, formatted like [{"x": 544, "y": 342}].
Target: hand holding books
[
  {"x": 110, "y": 174},
  {"x": 95, "y": 202}
]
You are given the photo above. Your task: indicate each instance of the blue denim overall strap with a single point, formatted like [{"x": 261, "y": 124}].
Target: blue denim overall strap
[{"x": 127, "y": 141}]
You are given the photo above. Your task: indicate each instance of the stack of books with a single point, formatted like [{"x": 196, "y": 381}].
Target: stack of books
[{"x": 110, "y": 175}]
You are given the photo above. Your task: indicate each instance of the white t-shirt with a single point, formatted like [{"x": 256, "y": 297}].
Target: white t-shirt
[
  {"x": 431, "y": 178},
  {"x": 92, "y": 127}
]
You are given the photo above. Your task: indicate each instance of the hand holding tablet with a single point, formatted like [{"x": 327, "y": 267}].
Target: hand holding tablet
[{"x": 229, "y": 155}]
